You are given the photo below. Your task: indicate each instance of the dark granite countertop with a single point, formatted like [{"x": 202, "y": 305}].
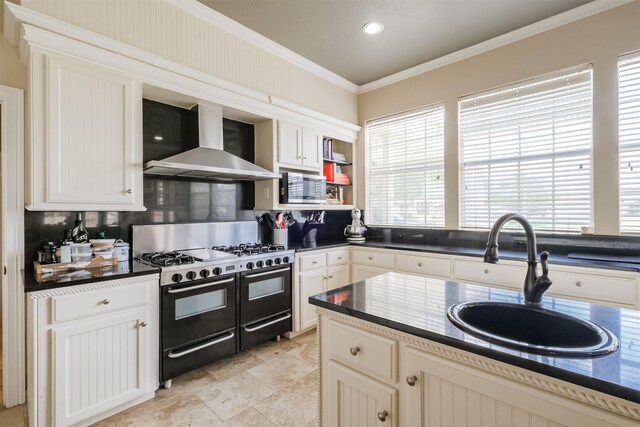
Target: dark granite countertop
[
  {"x": 418, "y": 305},
  {"x": 473, "y": 252},
  {"x": 40, "y": 282}
]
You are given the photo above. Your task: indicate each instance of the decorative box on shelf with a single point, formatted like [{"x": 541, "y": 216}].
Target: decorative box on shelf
[{"x": 334, "y": 174}]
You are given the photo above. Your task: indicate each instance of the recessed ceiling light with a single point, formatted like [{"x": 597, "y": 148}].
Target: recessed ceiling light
[{"x": 372, "y": 28}]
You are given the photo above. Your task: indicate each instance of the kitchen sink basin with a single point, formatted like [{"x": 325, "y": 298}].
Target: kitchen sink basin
[{"x": 532, "y": 329}]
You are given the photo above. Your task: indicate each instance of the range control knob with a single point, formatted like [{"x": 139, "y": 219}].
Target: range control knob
[
  {"x": 217, "y": 271},
  {"x": 268, "y": 263},
  {"x": 285, "y": 259},
  {"x": 259, "y": 264},
  {"x": 177, "y": 277},
  {"x": 277, "y": 261},
  {"x": 191, "y": 275},
  {"x": 250, "y": 265},
  {"x": 204, "y": 273}
]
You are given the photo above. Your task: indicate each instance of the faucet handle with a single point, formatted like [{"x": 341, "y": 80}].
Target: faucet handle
[{"x": 544, "y": 262}]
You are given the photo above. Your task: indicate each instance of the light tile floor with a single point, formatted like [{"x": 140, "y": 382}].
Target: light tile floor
[{"x": 275, "y": 383}]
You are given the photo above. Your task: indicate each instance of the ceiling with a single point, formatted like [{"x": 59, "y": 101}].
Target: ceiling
[{"x": 329, "y": 32}]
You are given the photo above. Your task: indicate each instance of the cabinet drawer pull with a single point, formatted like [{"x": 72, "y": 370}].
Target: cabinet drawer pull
[
  {"x": 331, "y": 276},
  {"x": 354, "y": 351},
  {"x": 370, "y": 258},
  {"x": 419, "y": 264},
  {"x": 325, "y": 278},
  {"x": 143, "y": 324},
  {"x": 339, "y": 258},
  {"x": 486, "y": 271},
  {"x": 579, "y": 283},
  {"x": 411, "y": 380},
  {"x": 105, "y": 301},
  {"x": 382, "y": 416},
  {"x": 304, "y": 157},
  {"x": 314, "y": 262},
  {"x": 129, "y": 191}
]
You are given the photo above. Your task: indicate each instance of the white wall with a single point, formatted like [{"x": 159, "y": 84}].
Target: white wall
[
  {"x": 162, "y": 28},
  {"x": 598, "y": 39}
]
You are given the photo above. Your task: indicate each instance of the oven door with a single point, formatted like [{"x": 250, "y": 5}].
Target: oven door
[
  {"x": 264, "y": 293},
  {"x": 197, "y": 309}
]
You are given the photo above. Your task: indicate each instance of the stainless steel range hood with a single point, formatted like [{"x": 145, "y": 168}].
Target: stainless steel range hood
[{"x": 209, "y": 160}]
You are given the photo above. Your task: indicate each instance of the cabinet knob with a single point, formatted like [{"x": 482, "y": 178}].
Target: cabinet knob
[
  {"x": 411, "y": 380},
  {"x": 331, "y": 276},
  {"x": 314, "y": 262},
  {"x": 143, "y": 324},
  {"x": 382, "y": 416},
  {"x": 354, "y": 351},
  {"x": 304, "y": 157},
  {"x": 106, "y": 301},
  {"x": 579, "y": 283},
  {"x": 129, "y": 191},
  {"x": 486, "y": 271},
  {"x": 339, "y": 258},
  {"x": 370, "y": 258},
  {"x": 419, "y": 264},
  {"x": 325, "y": 278},
  {"x": 298, "y": 157}
]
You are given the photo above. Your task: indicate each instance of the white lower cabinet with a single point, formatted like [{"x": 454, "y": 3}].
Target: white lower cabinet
[
  {"x": 355, "y": 399},
  {"x": 436, "y": 386},
  {"x": 316, "y": 272},
  {"x": 364, "y": 272},
  {"x": 94, "y": 350}
]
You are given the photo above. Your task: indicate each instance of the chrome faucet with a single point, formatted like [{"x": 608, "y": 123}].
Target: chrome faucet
[{"x": 534, "y": 286}]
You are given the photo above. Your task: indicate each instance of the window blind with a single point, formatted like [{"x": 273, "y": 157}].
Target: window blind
[
  {"x": 405, "y": 169},
  {"x": 629, "y": 142},
  {"x": 526, "y": 148}
]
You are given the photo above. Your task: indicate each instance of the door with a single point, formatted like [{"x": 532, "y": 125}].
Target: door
[
  {"x": 311, "y": 148},
  {"x": 264, "y": 294},
  {"x": 337, "y": 277},
  {"x": 289, "y": 144},
  {"x": 351, "y": 399},
  {"x": 197, "y": 309},
  {"x": 311, "y": 283},
  {"x": 363, "y": 272},
  {"x": 101, "y": 362},
  {"x": 94, "y": 141},
  {"x": 443, "y": 393}
]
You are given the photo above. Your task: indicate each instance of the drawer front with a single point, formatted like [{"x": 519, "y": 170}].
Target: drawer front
[
  {"x": 89, "y": 303},
  {"x": 424, "y": 265},
  {"x": 492, "y": 274},
  {"x": 374, "y": 259},
  {"x": 363, "y": 351},
  {"x": 311, "y": 262},
  {"x": 601, "y": 288},
  {"x": 340, "y": 257}
]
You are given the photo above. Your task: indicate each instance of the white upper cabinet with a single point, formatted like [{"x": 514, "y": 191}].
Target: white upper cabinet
[
  {"x": 299, "y": 147},
  {"x": 86, "y": 145}
]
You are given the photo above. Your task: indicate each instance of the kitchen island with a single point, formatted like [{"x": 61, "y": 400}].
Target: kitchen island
[{"x": 390, "y": 356}]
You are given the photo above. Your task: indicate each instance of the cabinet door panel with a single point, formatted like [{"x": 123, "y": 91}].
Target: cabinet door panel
[
  {"x": 310, "y": 284},
  {"x": 449, "y": 394},
  {"x": 362, "y": 272},
  {"x": 92, "y": 154},
  {"x": 311, "y": 148},
  {"x": 289, "y": 144},
  {"x": 352, "y": 399},
  {"x": 338, "y": 276},
  {"x": 99, "y": 365}
]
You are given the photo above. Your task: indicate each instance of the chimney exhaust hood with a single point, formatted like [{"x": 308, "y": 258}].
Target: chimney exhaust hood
[{"x": 209, "y": 160}]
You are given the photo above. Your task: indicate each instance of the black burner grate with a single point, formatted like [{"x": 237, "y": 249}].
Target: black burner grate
[{"x": 165, "y": 259}]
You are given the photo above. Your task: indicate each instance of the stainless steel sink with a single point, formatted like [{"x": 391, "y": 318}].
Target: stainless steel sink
[{"x": 532, "y": 329}]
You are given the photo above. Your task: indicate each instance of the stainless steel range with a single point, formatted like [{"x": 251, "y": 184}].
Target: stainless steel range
[{"x": 219, "y": 294}]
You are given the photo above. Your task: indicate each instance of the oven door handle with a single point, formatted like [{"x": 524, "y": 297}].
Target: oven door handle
[
  {"x": 264, "y": 325},
  {"x": 205, "y": 285},
  {"x": 227, "y": 337},
  {"x": 251, "y": 276}
]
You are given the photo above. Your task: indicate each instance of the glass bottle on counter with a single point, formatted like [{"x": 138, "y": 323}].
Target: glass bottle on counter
[{"x": 79, "y": 233}]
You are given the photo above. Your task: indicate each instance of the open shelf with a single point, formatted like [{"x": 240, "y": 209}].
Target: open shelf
[
  {"x": 338, "y": 183},
  {"x": 337, "y": 162}
]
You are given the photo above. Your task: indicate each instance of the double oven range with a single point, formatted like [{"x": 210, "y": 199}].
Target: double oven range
[{"x": 217, "y": 298}]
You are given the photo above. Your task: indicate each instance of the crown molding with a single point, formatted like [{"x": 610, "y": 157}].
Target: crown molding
[
  {"x": 235, "y": 28},
  {"x": 550, "y": 23}
]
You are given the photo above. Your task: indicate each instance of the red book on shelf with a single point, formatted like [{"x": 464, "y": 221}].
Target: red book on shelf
[
  {"x": 342, "y": 178},
  {"x": 330, "y": 171}
]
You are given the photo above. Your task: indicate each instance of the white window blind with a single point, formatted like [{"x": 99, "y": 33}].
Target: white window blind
[
  {"x": 526, "y": 148},
  {"x": 405, "y": 169},
  {"x": 629, "y": 141}
]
